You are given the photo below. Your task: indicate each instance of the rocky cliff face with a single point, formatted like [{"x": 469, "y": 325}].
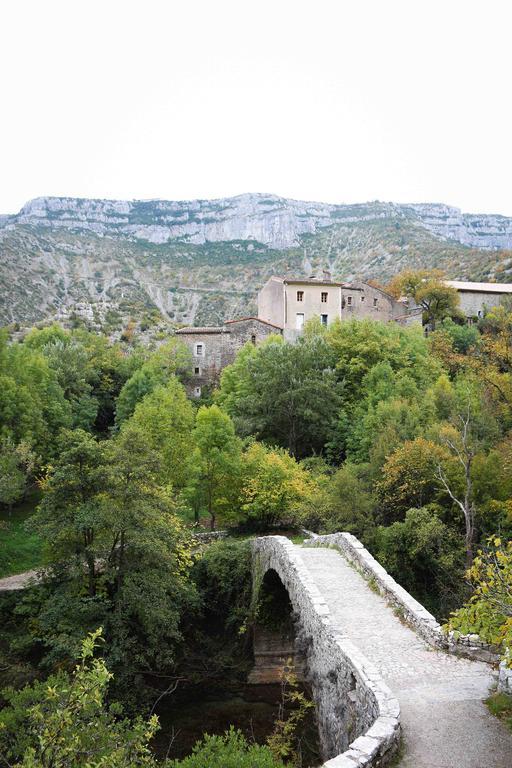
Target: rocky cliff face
[
  {"x": 476, "y": 230},
  {"x": 203, "y": 261},
  {"x": 274, "y": 221}
]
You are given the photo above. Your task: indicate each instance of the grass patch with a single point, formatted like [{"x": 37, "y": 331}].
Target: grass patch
[
  {"x": 500, "y": 705},
  {"x": 19, "y": 550}
]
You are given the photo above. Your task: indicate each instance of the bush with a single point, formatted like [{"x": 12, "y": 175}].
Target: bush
[{"x": 228, "y": 751}]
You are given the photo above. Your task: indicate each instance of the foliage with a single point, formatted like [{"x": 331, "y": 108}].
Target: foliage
[
  {"x": 17, "y": 464},
  {"x": 463, "y": 337},
  {"x": 166, "y": 417},
  {"x": 171, "y": 358},
  {"x": 229, "y": 751},
  {"x": 408, "y": 478},
  {"x": 32, "y": 404},
  {"x": 292, "y": 712},
  {"x": 65, "y": 722},
  {"x": 429, "y": 291},
  {"x": 425, "y": 556},
  {"x": 215, "y": 464},
  {"x": 274, "y": 487},
  {"x": 489, "y": 610},
  {"x": 217, "y": 630},
  {"x": 119, "y": 554},
  {"x": 285, "y": 394},
  {"x": 345, "y": 503}
]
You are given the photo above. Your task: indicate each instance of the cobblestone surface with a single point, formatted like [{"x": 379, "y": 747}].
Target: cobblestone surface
[{"x": 445, "y": 722}]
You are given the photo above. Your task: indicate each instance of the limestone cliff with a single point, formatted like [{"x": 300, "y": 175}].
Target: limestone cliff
[
  {"x": 202, "y": 261},
  {"x": 275, "y": 221}
]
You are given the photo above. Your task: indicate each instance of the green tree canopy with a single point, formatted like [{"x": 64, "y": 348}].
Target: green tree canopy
[
  {"x": 167, "y": 418},
  {"x": 66, "y": 722},
  {"x": 284, "y": 393},
  {"x": 215, "y": 464}
]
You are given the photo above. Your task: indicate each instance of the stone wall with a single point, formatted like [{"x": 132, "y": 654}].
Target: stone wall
[
  {"x": 358, "y": 716},
  {"x": 412, "y": 612},
  {"x": 219, "y": 346},
  {"x": 505, "y": 679}
]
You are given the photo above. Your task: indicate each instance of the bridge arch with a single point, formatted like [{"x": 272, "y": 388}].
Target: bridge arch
[{"x": 357, "y": 715}]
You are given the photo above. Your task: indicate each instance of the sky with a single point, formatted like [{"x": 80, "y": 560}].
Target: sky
[{"x": 332, "y": 100}]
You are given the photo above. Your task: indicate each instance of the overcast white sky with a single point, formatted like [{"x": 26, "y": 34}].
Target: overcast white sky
[{"x": 332, "y": 100}]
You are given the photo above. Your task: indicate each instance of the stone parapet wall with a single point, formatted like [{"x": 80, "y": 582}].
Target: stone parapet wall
[
  {"x": 505, "y": 679},
  {"x": 410, "y": 610},
  {"x": 358, "y": 716},
  {"x": 208, "y": 536}
]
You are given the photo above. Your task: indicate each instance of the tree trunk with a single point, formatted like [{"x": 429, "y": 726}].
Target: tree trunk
[{"x": 91, "y": 568}]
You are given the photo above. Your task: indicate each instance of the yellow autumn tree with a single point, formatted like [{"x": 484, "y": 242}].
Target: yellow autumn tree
[
  {"x": 408, "y": 478},
  {"x": 275, "y": 488}
]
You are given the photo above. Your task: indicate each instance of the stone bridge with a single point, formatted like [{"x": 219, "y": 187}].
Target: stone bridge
[{"x": 388, "y": 684}]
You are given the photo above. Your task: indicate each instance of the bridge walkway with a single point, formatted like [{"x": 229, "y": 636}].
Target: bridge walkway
[{"x": 444, "y": 719}]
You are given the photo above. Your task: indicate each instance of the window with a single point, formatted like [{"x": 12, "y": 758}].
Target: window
[
  {"x": 197, "y": 391},
  {"x": 324, "y": 297},
  {"x": 324, "y": 319},
  {"x": 300, "y": 295},
  {"x": 197, "y": 371},
  {"x": 253, "y": 339},
  {"x": 199, "y": 350},
  {"x": 362, "y": 298},
  {"x": 299, "y": 321},
  {"x": 375, "y": 300},
  {"x": 349, "y": 300}
]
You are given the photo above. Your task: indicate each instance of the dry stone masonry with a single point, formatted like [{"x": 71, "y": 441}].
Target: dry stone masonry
[
  {"x": 410, "y": 610},
  {"x": 358, "y": 716},
  {"x": 379, "y": 665}
]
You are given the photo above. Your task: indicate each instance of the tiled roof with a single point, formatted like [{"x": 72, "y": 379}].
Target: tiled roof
[
  {"x": 314, "y": 281},
  {"x": 257, "y": 319},
  {"x": 461, "y": 285},
  {"x": 204, "y": 329}
]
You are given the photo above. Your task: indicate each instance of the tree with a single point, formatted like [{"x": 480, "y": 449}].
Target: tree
[
  {"x": 274, "y": 487},
  {"x": 460, "y": 443},
  {"x": 409, "y": 478},
  {"x": 345, "y": 503},
  {"x": 109, "y": 523},
  {"x": 17, "y": 464},
  {"x": 170, "y": 359},
  {"x": 489, "y": 610},
  {"x": 215, "y": 462},
  {"x": 425, "y": 555},
  {"x": 70, "y": 515},
  {"x": 284, "y": 393},
  {"x": 167, "y": 418},
  {"x": 32, "y": 404},
  {"x": 430, "y": 291},
  {"x": 65, "y": 721},
  {"x": 228, "y": 751}
]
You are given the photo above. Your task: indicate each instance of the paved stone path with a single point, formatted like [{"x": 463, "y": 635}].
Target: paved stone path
[
  {"x": 18, "y": 581},
  {"x": 444, "y": 720}
]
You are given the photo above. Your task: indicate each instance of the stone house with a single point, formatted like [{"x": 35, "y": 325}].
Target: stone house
[
  {"x": 214, "y": 347},
  {"x": 476, "y": 298},
  {"x": 291, "y": 302}
]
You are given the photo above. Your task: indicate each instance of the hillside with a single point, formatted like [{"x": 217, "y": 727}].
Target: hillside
[{"x": 203, "y": 261}]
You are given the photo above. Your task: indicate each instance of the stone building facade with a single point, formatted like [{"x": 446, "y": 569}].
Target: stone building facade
[
  {"x": 291, "y": 302},
  {"x": 214, "y": 347},
  {"x": 478, "y": 298}
]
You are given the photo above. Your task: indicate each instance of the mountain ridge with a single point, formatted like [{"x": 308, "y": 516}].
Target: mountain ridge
[
  {"x": 273, "y": 220},
  {"x": 201, "y": 262}
]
